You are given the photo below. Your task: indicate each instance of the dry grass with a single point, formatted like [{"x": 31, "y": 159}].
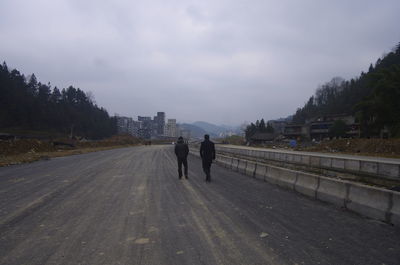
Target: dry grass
[
  {"x": 6, "y": 160},
  {"x": 28, "y": 150},
  {"x": 367, "y": 147}
]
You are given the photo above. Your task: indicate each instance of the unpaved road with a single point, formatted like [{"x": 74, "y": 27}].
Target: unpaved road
[{"x": 127, "y": 206}]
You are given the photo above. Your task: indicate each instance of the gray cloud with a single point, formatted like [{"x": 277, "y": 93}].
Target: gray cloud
[{"x": 219, "y": 61}]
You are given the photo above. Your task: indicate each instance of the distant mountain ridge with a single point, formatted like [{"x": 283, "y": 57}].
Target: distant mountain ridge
[
  {"x": 210, "y": 128},
  {"x": 200, "y": 128},
  {"x": 196, "y": 132}
]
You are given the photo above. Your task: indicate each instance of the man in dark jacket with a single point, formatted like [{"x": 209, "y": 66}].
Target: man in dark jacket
[
  {"x": 181, "y": 152},
  {"x": 207, "y": 153}
]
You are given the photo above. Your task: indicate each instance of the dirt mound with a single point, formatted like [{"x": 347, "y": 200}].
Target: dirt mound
[
  {"x": 16, "y": 151},
  {"x": 373, "y": 147},
  {"x": 24, "y": 146},
  {"x": 14, "y": 147},
  {"x": 112, "y": 141}
]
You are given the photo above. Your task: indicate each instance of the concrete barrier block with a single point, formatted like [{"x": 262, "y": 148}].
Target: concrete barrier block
[
  {"x": 395, "y": 211},
  {"x": 226, "y": 161},
  {"x": 235, "y": 164},
  {"x": 369, "y": 167},
  {"x": 369, "y": 201},
  {"x": 282, "y": 157},
  {"x": 333, "y": 191},
  {"x": 338, "y": 163},
  {"x": 290, "y": 158},
  {"x": 390, "y": 170},
  {"x": 242, "y": 166},
  {"x": 306, "y": 184},
  {"x": 230, "y": 162},
  {"x": 297, "y": 158},
  {"x": 218, "y": 159},
  {"x": 257, "y": 154},
  {"x": 326, "y": 162},
  {"x": 315, "y": 161},
  {"x": 305, "y": 160},
  {"x": 267, "y": 155},
  {"x": 277, "y": 156},
  {"x": 353, "y": 165},
  {"x": 260, "y": 171},
  {"x": 287, "y": 178},
  {"x": 272, "y": 174},
  {"x": 250, "y": 168}
]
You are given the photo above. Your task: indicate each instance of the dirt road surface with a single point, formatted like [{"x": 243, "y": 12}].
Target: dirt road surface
[{"x": 127, "y": 206}]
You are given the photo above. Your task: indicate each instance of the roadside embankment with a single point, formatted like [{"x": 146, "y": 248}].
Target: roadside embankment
[
  {"x": 378, "y": 171},
  {"x": 17, "y": 151}
]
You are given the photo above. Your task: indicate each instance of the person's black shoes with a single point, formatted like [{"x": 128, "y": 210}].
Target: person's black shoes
[{"x": 186, "y": 177}]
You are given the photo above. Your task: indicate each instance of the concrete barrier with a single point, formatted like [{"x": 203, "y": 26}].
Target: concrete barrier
[
  {"x": 333, "y": 191},
  {"x": 369, "y": 201},
  {"x": 242, "y": 166},
  {"x": 395, "y": 209},
  {"x": 391, "y": 170},
  {"x": 287, "y": 178},
  {"x": 272, "y": 174},
  {"x": 226, "y": 161},
  {"x": 251, "y": 168},
  {"x": 338, "y": 163},
  {"x": 369, "y": 167},
  {"x": 315, "y": 161},
  {"x": 235, "y": 164},
  {"x": 297, "y": 158},
  {"x": 307, "y": 184},
  {"x": 358, "y": 165},
  {"x": 326, "y": 162},
  {"x": 261, "y": 170}
]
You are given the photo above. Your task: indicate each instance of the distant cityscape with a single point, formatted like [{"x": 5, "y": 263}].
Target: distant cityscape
[{"x": 151, "y": 128}]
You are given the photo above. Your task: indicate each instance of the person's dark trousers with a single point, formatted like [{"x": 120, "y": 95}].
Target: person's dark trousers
[
  {"x": 185, "y": 165},
  {"x": 207, "y": 169}
]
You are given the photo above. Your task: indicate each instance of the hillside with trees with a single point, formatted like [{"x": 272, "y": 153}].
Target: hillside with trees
[
  {"x": 373, "y": 98},
  {"x": 257, "y": 127},
  {"x": 27, "y": 104}
]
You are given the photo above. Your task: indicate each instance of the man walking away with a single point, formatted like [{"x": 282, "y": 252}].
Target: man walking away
[
  {"x": 181, "y": 152},
  {"x": 207, "y": 153}
]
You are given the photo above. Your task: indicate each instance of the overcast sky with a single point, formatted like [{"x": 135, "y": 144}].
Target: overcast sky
[{"x": 219, "y": 61}]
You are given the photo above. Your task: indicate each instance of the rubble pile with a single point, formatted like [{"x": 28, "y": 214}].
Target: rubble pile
[
  {"x": 14, "y": 147},
  {"x": 372, "y": 147},
  {"x": 16, "y": 151}
]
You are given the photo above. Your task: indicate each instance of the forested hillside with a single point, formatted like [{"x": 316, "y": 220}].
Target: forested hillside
[
  {"x": 31, "y": 105},
  {"x": 373, "y": 97}
]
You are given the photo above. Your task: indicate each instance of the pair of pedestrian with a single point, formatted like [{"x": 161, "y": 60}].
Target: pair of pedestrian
[{"x": 207, "y": 154}]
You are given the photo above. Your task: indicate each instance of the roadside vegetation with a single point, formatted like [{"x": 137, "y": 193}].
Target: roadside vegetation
[{"x": 233, "y": 139}]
